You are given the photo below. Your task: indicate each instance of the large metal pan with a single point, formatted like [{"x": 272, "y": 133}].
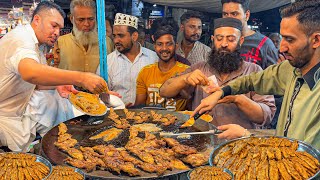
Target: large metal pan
[
  {"x": 83, "y": 127},
  {"x": 302, "y": 147}
]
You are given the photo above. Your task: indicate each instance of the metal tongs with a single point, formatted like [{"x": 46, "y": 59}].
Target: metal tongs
[
  {"x": 105, "y": 96},
  {"x": 168, "y": 134}
]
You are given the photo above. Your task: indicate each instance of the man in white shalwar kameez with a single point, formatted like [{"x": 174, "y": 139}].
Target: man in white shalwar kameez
[{"x": 32, "y": 94}]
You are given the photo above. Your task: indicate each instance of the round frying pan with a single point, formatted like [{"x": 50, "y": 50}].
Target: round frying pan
[{"x": 83, "y": 127}]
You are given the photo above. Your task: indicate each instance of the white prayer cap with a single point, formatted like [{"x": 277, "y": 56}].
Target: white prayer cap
[{"x": 125, "y": 19}]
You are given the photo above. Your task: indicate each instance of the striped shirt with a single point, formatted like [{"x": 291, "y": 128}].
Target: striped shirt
[
  {"x": 122, "y": 73},
  {"x": 198, "y": 53}
]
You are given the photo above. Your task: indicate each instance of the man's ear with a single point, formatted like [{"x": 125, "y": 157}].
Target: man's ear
[
  {"x": 181, "y": 27},
  {"x": 316, "y": 40},
  {"x": 247, "y": 15},
  {"x": 241, "y": 40},
  {"x": 135, "y": 36},
  {"x": 71, "y": 18},
  {"x": 36, "y": 19},
  {"x": 152, "y": 37}
]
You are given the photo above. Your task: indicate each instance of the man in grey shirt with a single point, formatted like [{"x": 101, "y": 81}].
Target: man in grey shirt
[
  {"x": 190, "y": 47},
  {"x": 256, "y": 47}
]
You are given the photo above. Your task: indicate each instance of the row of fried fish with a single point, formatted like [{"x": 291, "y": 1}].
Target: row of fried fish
[
  {"x": 209, "y": 173},
  {"x": 65, "y": 173},
  {"x": 149, "y": 154},
  {"x": 266, "y": 158},
  {"x": 19, "y": 166},
  {"x": 140, "y": 117}
]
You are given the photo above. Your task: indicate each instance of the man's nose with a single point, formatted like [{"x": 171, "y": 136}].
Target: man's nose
[{"x": 283, "y": 47}]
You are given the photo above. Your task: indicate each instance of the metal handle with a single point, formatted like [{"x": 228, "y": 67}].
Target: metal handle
[{"x": 214, "y": 131}]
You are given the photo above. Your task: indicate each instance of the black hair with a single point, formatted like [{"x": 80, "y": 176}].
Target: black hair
[
  {"x": 163, "y": 30},
  {"x": 164, "y": 26},
  {"x": 47, "y": 5},
  {"x": 190, "y": 14},
  {"x": 308, "y": 14},
  {"x": 131, "y": 30},
  {"x": 244, "y": 3}
]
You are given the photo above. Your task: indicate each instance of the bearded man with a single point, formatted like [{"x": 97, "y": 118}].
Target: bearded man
[
  {"x": 79, "y": 50},
  {"x": 225, "y": 64},
  {"x": 190, "y": 47}
]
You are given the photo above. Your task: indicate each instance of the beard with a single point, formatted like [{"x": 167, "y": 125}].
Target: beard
[
  {"x": 124, "y": 49},
  {"x": 303, "y": 58},
  {"x": 86, "y": 38},
  {"x": 225, "y": 62},
  {"x": 193, "y": 38}
]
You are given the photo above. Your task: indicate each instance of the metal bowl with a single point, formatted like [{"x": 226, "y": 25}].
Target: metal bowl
[
  {"x": 78, "y": 171},
  {"x": 303, "y": 146},
  {"x": 38, "y": 159},
  {"x": 224, "y": 170}
]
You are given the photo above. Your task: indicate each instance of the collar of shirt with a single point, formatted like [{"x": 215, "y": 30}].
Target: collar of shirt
[
  {"x": 181, "y": 51},
  {"x": 33, "y": 34},
  {"x": 311, "y": 77}
]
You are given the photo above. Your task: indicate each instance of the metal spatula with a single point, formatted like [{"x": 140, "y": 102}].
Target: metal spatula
[{"x": 191, "y": 121}]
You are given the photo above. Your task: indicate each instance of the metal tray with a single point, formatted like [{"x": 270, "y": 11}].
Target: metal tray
[
  {"x": 39, "y": 159},
  {"x": 302, "y": 147},
  {"x": 78, "y": 171},
  {"x": 224, "y": 170},
  {"x": 83, "y": 127}
]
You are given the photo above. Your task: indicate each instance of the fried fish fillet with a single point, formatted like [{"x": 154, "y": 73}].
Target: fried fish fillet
[
  {"x": 75, "y": 153},
  {"x": 195, "y": 159},
  {"x": 62, "y": 128},
  {"x": 273, "y": 170},
  {"x": 108, "y": 134}
]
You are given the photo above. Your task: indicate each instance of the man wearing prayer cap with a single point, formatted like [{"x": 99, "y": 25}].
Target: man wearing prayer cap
[
  {"x": 223, "y": 65},
  {"x": 125, "y": 63}
]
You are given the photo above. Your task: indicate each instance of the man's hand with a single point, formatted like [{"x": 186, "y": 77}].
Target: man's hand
[
  {"x": 197, "y": 78},
  {"x": 115, "y": 94},
  {"x": 231, "y": 131},
  {"x": 229, "y": 99},
  {"x": 128, "y": 105},
  {"x": 281, "y": 58},
  {"x": 208, "y": 103},
  {"x": 64, "y": 91},
  {"x": 93, "y": 83}
]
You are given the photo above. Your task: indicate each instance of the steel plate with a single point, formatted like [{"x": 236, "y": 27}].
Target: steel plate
[
  {"x": 38, "y": 159},
  {"x": 83, "y": 127},
  {"x": 79, "y": 109},
  {"x": 302, "y": 147},
  {"x": 224, "y": 170}
]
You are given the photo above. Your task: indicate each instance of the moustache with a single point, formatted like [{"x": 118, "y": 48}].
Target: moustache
[
  {"x": 195, "y": 35},
  {"x": 164, "y": 52},
  {"x": 118, "y": 44}
]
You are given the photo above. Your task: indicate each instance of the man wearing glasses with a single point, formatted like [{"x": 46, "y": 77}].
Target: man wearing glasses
[{"x": 225, "y": 63}]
